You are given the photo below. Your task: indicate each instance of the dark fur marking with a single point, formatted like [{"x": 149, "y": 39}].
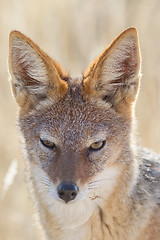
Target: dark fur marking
[{"x": 102, "y": 221}]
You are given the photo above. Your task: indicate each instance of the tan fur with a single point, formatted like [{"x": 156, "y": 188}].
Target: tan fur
[
  {"x": 47, "y": 69},
  {"x": 118, "y": 185}
]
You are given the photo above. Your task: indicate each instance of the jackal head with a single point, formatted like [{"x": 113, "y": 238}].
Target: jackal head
[{"x": 77, "y": 132}]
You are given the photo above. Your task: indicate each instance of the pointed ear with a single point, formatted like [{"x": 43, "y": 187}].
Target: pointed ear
[
  {"x": 114, "y": 76},
  {"x": 35, "y": 76}
]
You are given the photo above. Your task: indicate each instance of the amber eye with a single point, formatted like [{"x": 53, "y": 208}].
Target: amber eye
[
  {"x": 97, "y": 145},
  {"x": 48, "y": 144}
]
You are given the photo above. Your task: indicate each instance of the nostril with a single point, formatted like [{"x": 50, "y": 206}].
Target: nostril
[
  {"x": 67, "y": 191},
  {"x": 61, "y": 193},
  {"x": 74, "y": 194}
]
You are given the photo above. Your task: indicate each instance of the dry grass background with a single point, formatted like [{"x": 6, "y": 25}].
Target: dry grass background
[{"x": 73, "y": 32}]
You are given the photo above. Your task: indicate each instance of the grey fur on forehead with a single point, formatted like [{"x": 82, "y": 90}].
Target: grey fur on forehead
[{"x": 74, "y": 120}]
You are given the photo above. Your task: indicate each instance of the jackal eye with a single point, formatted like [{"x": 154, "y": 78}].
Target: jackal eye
[
  {"x": 48, "y": 144},
  {"x": 97, "y": 145}
]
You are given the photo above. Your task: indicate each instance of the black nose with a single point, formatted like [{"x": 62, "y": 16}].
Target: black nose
[{"x": 67, "y": 191}]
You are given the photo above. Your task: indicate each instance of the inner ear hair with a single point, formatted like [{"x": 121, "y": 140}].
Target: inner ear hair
[
  {"x": 34, "y": 74},
  {"x": 114, "y": 76}
]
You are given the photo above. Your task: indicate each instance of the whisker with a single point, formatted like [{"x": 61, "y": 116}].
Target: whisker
[
  {"x": 45, "y": 183},
  {"x": 99, "y": 180},
  {"x": 94, "y": 187}
]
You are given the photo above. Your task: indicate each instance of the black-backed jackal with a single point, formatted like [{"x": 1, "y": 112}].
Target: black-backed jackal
[{"x": 88, "y": 177}]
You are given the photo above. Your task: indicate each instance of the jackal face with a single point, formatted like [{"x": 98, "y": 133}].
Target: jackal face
[{"x": 76, "y": 131}]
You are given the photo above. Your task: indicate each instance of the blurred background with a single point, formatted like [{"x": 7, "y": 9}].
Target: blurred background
[{"x": 73, "y": 32}]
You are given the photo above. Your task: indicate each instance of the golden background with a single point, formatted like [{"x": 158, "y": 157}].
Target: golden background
[{"x": 73, "y": 32}]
